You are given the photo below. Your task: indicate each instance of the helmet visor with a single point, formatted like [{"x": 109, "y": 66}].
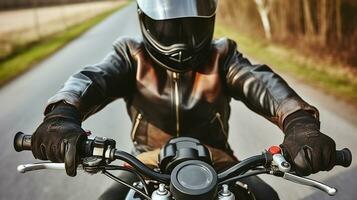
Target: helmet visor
[
  {"x": 170, "y": 9},
  {"x": 190, "y": 31}
]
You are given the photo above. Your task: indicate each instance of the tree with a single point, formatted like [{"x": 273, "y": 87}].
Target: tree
[{"x": 264, "y": 7}]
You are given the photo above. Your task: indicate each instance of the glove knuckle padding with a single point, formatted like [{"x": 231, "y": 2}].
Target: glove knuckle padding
[
  {"x": 58, "y": 136},
  {"x": 311, "y": 152},
  {"x": 309, "y": 149}
]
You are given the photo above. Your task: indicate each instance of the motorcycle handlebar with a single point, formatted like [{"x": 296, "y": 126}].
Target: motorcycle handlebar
[
  {"x": 22, "y": 142},
  {"x": 344, "y": 157}
]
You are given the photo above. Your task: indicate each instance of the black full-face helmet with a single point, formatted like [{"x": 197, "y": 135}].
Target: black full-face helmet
[{"x": 177, "y": 33}]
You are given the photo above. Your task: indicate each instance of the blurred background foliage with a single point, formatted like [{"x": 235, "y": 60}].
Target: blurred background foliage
[
  {"x": 312, "y": 40},
  {"x": 322, "y": 28},
  {"x": 17, "y": 4}
]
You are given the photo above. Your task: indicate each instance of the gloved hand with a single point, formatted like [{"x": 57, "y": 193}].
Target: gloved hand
[
  {"x": 310, "y": 150},
  {"x": 59, "y": 136}
]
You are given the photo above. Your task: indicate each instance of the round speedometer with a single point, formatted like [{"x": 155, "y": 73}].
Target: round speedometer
[{"x": 193, "y": 180}]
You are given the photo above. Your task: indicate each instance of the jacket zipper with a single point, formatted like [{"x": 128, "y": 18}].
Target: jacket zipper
[
  {"x": 136, "y": 125},
  {"x": 219, "y": 118},
  {"x": 176, "y": 78}
]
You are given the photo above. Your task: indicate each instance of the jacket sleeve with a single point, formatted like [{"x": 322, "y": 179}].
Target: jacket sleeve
[
  {"x": 262, "y": 90},
  {"x": 93, "y": 87}
]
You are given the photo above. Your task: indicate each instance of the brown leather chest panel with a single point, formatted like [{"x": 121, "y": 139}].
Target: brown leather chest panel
[{"x": 193, "y": 100}]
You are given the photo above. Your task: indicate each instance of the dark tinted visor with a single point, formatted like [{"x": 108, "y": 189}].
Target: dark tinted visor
[
  {"x": 170, "y": 9},
  {"x": 189, "y": 31}
]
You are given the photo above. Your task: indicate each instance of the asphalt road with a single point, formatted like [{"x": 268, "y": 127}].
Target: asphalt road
[{"x": 23, "y": 100}]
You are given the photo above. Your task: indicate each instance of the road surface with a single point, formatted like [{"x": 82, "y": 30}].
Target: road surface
[
  {"x": 23, "y": 100},
  {"x": 23, "y": 26}
]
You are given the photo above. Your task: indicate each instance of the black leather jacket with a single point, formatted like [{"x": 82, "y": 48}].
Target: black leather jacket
[{"x": 164, "y": 104}]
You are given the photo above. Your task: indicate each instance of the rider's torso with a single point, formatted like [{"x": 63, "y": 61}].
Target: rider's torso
[{"x": 166, "y": 104}]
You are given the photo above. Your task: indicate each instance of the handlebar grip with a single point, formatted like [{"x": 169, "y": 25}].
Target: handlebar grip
[
  {"x": 22, "y": 142},
  {"x": 344, "y": 157}
]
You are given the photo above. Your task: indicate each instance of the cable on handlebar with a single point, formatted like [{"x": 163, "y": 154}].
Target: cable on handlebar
[
  {"x": 126, "y": 184},
  {"x": 140, "y": 167},
  {"x": 140, "y": 177},
  {"x": 244, "y": 166},
  {"x": 236, "y": 178}
]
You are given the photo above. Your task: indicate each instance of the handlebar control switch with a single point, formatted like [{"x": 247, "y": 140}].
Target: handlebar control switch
[
  {"x": 282, "y": 164},
  {"x": 274, "y": 150},
  {"x": 279, "y": 160},
  {"x": 102, "y": 147}
]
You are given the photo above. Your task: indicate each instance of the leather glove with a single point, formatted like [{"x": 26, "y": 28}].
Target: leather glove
[
  {"x": 59, "y": 136},
  {"x": 310, "y": 150}
]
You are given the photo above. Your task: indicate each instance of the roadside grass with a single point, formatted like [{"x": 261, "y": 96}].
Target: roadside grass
[
  {"x": 26, "y": 57},
  {"x": 331, "y": 78}
]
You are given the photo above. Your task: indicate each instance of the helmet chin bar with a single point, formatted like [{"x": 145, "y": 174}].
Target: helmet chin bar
[
  {"x": 180, "y": 56},
  {"x": 168, "y": 67},
  {"x": 177, "y": 57},
  {"x": 180, "y": 53}
]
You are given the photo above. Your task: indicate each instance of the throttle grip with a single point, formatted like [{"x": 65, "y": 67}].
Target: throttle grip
[
  {"x": 22, "y": 142},
  {"x": 344, "y": 157}
]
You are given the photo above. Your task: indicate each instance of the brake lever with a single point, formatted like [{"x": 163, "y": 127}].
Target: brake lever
[
  {"x": 309, "y": 182},
  {"x": 40, "y": 166},
  {"x": 90, "y": 165},
  {"x": 284, "y": 167}
]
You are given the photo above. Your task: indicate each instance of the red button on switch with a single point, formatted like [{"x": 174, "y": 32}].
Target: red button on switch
[{"x": 274, "y": 150}]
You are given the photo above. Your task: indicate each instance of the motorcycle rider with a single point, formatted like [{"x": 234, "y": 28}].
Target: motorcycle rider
[{"x": 178, "y": 81}]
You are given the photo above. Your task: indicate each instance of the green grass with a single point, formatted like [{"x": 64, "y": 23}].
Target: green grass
[
  {"x": 332, "y": 78},
  {"x": 25, "y": 58}
]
